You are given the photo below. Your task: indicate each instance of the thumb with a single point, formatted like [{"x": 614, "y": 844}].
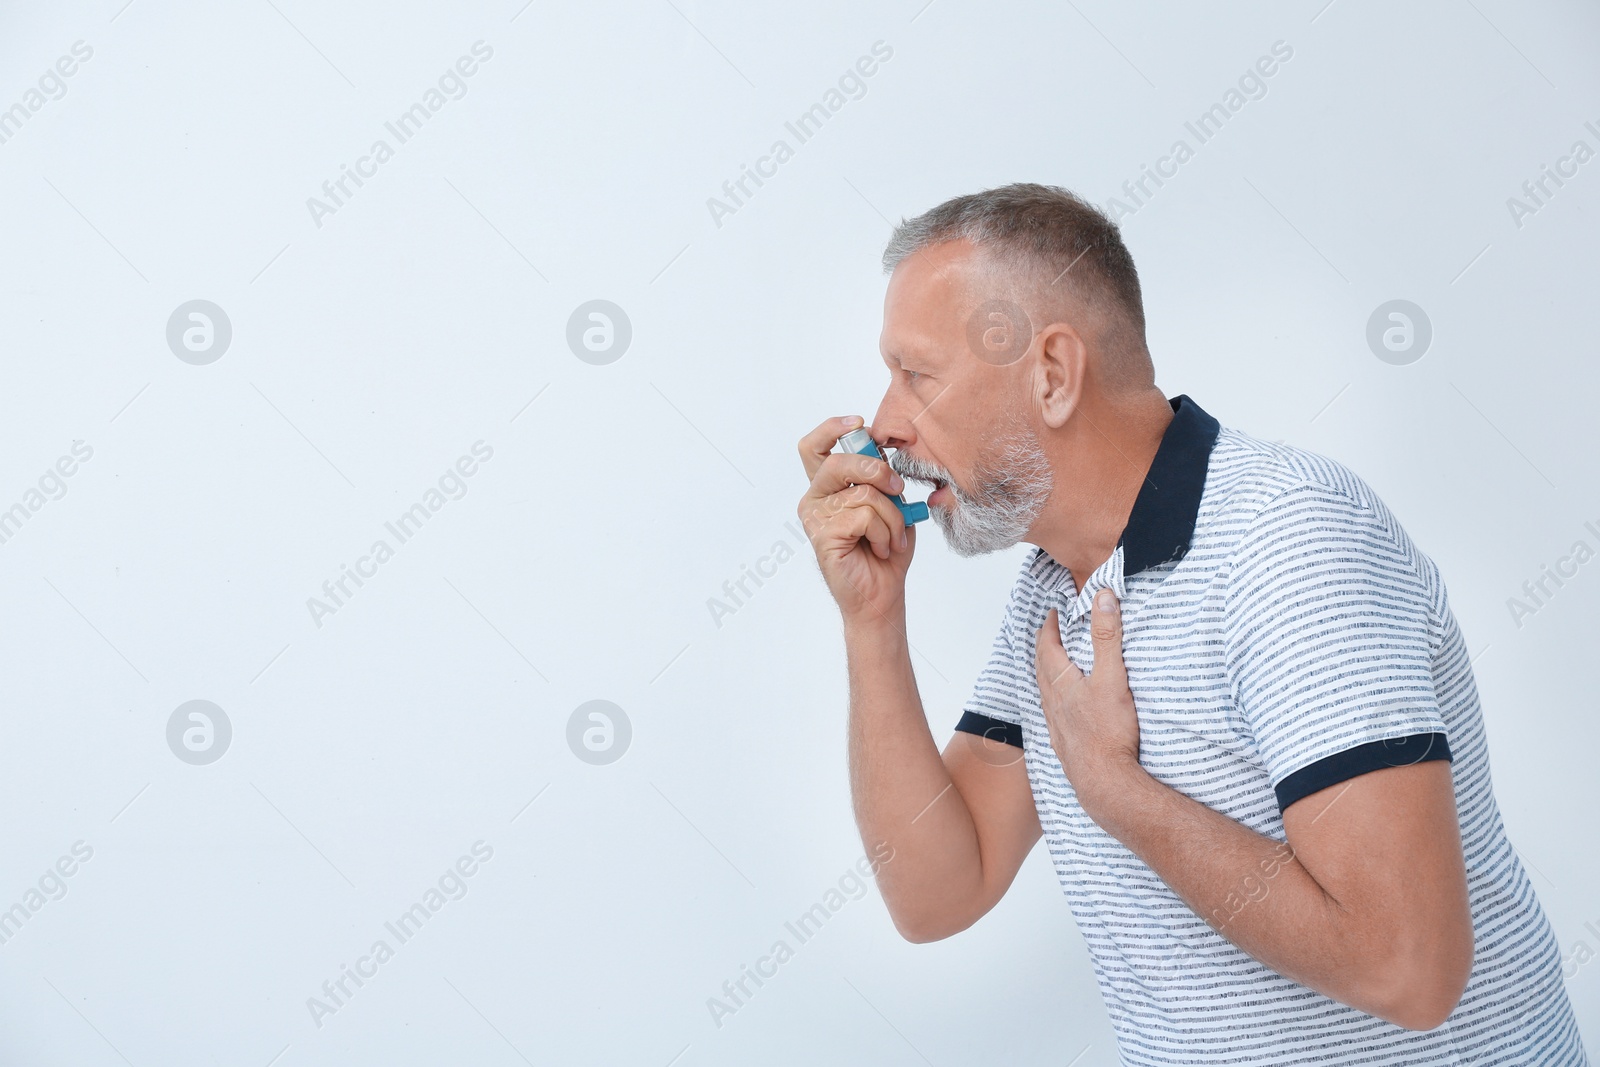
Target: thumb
[
  {"x": 1051, "y": 662},
  {"x": 1106, "y": 630}
]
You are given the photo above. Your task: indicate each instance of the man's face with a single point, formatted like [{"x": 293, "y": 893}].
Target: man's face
[{"x": 958, "y": 422}]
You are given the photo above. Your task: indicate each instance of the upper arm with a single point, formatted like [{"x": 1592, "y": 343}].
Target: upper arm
[
  {"x": 1333, "y": 628},
  {"x": 992, "y": 778},
  {"x": 1385, "y": 846}
]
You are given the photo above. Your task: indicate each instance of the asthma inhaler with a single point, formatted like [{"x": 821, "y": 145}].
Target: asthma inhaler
[{"x": 861, "y": 443}]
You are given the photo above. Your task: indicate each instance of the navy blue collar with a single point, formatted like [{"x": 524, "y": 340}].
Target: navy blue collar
[{"x": 1161, "y": 524}]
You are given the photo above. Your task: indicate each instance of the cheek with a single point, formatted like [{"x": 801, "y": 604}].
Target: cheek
[{"x": 902, "y": 402}]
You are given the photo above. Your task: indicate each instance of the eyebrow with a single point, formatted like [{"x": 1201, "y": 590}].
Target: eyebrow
[{"x": 901, "y": 353}]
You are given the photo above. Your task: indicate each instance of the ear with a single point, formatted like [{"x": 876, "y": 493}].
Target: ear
[{"x": 1059, "y": 372}]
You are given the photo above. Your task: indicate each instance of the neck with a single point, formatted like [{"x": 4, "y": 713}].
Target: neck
[{"x": 1099, "y": 459}]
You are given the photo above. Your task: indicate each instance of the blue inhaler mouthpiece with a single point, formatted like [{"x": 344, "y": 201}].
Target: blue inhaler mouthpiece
[{"x": 860, "y": 443}]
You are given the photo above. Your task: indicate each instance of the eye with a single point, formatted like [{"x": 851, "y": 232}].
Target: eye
[{"x": 913, "y": 374}]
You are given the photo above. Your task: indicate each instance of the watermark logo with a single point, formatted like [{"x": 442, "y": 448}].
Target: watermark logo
[
  {"x": 1581, "y": 954},
  {"x": 1539, "y": 191},
  {"x": 52, "y": 86},
  {"x": 599, "y": 332},
  {"x": 1404, "y": 751},
  {"x": 851, "y": 885},
  {"x": 337, "y": 192},
  {"x": 599, "y": 732},
  {"x": 1538, "y": 592},
  {"x": 1399, "y": 332},
  {"x": 852, "y": 85},
  {"x": 999, "y": 332},
  {"x": 198, "y": 732},
  {"x": 451, "y": 885},
  {"x": 52, "y": 485},
  {"x": 766, "y": 567},
  {"x": 991, "y": 746},
  {"x": 451, "y": 485},
  {"x": 1251, "y": 85},
  {"x": 1252, "y": 888},
  {"x": 51, "y": 885},
  {"x": 199, "y": 332}
]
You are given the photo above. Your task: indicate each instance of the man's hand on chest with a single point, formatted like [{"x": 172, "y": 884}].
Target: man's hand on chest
[{"x": 1094, "y": 727}]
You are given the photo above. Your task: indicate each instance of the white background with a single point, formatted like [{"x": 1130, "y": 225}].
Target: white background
[{"x": 370, "y": 352}]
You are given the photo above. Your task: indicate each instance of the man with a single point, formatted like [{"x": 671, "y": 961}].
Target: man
[{"x": 1227, "y": 688}]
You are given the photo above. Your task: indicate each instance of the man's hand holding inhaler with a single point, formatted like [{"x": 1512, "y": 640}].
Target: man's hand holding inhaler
[{"x": 863, "y": 540}]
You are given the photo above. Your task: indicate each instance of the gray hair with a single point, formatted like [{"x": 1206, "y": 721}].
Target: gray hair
[{"x": 1042, "y": 230}]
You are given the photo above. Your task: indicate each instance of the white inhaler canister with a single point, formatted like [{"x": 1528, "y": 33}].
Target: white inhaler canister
[{"x": 860, "y": 443}]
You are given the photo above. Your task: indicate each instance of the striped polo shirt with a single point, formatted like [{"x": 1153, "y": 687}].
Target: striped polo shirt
[{"x": 1282, "y": 634}]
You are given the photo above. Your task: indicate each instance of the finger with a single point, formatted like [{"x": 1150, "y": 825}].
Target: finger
[
  {"x": 865, "y": 496},
  {"x": 1106, "y": 631},
  {"x": 817, "y": 445},
  {"x": 840, "y": 470},
  {"x": 851, "y": 524},
  {"x": 1051, "y": 663},
  {"x": 879, "y": 534},
  {"x": 846, "y": 480},
  {"x": 822, "y": 517}
]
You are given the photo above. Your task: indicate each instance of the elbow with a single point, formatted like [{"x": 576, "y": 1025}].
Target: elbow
[
  {"x": 1424, "y": 1010},
  {"x": 920, "y": 926},
  {"x": 921, "y": 935},
  {"x": 1420, "y": 990},
  {"x": 922, "y": 930}
]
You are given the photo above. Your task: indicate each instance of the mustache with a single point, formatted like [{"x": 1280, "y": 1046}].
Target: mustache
[
  {"x": 1011, "y": 483},
  {"x": 919, "y": 470}
]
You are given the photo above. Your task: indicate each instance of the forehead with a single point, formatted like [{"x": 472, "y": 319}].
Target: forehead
[{"x": 928, "y": 297}]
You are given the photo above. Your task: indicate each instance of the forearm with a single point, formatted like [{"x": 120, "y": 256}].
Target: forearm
[
  {"x": 903, "y": 793},
  {"x": 1254, "y": 891}
]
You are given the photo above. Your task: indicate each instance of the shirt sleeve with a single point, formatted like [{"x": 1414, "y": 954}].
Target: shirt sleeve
[
  {"x": 1330, "y": 633},
  {"x": 1007, "y": 685}
]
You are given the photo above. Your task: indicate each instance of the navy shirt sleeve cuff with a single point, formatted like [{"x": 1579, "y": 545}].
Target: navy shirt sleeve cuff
[
  {"x": 993, "y": 729},
  {"x": 1373, "y": 756}
]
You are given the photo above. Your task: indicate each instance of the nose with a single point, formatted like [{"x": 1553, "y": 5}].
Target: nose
[{"x": 892, "y": 424}]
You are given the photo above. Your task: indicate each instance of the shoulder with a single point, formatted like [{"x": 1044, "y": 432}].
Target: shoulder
[
  {"x": 1255, "y": 487},
  {"x": 1285, "y": 508},
  {"x": 1248, "y": 474}
]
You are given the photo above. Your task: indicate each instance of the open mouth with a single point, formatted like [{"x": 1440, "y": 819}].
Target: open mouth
[{"x": 918, "y": 473}]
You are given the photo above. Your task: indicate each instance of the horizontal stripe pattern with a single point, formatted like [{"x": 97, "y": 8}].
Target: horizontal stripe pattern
[{"x": 1301, "y": 624}]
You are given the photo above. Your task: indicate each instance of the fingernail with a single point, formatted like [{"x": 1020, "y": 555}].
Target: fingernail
[
  {"x": 1105, "y": 601},
  {"x": 895, "y": 483},
  {"x": 849, "y": 420}
]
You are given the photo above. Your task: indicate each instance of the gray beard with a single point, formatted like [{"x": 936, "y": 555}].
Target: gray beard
[{"x": 1013, "y": 484}]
